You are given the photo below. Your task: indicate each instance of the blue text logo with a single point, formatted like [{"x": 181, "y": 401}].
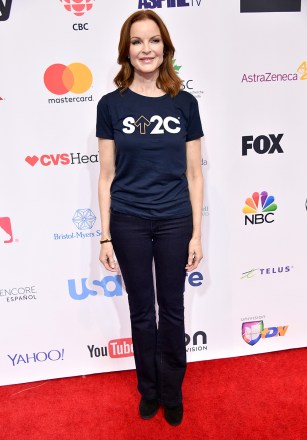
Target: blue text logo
[
  {"x": 111, "y": 286},
  {"x": 152, "y": 4}
]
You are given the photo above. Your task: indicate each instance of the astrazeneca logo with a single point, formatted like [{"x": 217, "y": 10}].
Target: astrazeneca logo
[
  {"x": 110, "y": 286},
  {"x": 253, "y": 331},
  {"x": 199, "y": 341},
  {"x": 47, "y": 160},
  {"x": 152, "y": 4},
  {"x": 264, "y": 271},
  {"x": 75, "y": 78},
  {"x": 117, "y": 348},
  {"x": 5, "y": 9},
  {"x": 6, "y": 233},
  {"x": 262, "y": 144},
  {"x": 270, "y": 5},
  {"x": 36, "y": 358},
  {"x": 18, "y": 294},
  {"x": 78, "y": 7},
  {"x": 84, "y": 219},
  {"x": 260, "y": 207},
  {"x": 302, "y": 70}
]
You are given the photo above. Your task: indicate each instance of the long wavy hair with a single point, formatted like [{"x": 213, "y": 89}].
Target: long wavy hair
[{"x": 167, "y": 80}]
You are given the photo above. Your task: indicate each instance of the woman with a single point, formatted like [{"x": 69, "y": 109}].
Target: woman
[{"x": 150, "y": 196}]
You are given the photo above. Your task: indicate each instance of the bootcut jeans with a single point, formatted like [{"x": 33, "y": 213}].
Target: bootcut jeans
[{"x": 159, "y": 349}]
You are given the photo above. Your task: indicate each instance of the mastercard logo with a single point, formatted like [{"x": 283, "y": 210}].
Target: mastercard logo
[
  {"x": 78, "y": 7},
  {"x": 60, "y": 79}
]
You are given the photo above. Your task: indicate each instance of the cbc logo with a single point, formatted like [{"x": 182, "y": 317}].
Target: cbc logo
[
  {"x": 60, "y": 79},
  {"x": 78, "y": 7}
]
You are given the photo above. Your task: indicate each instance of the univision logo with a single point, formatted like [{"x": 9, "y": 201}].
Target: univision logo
[{"x": 259, "y": 209}]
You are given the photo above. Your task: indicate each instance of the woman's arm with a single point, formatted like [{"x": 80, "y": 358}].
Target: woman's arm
[
  {"x": 196, "y": 190},
  {"x": 106, "y": 176}
]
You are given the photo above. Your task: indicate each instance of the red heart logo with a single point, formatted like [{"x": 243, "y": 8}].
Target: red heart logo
[{"x": 32, "y": 160}]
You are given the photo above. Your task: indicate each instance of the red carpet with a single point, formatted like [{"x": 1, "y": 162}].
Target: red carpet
[{"x": 261, "y": 397}]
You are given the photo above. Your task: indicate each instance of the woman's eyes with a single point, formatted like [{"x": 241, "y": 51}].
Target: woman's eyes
[
  {"x": 135, "y": 42},
  {"x": 155, "y": 40}
]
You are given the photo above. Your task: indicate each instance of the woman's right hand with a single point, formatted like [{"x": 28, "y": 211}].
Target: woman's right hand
[{"x": 106, "y": 257}]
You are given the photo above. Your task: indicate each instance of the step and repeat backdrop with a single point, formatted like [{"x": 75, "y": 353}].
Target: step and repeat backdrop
[{"x": 61, "y": 313}]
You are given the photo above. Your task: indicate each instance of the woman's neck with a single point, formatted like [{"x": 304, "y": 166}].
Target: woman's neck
[{"x": 146, "y": 86}]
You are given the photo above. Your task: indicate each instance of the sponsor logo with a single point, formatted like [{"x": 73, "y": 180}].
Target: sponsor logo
[
  {"x": 260, "y": 208},
  {"x": 75, "y": 78},
  {"x": 195, "y": 279},
  {"x": 5, "y": 9},
  {"x": 152, "y": 4},
  {"x": 117, "y": 348},
  {"x": 270, "y": 5},
  {"x": 269, "y": 77},
  {"x": 266, "y": 271},
  {"x": 198, "y": 342},
  {"x": 78, "y": 7},
  {"x": 205, "y": 211},
  {"x": 17, "y": 294},
  {"x": 41, "y": 356},
  {"x": 169, "y": 124},
  {"x": 187, "y": 84},
  {"x": 204, "y": 162},
  {"x": 262, "y": 144},
  {"x": 83, "y": 219},
  {"x": 302, "y": 70},
  {"x": 253, "y": 331},
  {"x": 6, "y": 233},
  {"x": 47, "y": 160},
  {"x": 109, "y": 286}
]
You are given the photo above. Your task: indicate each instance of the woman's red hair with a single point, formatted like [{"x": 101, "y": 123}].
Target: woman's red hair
[{"x": 168, "y": 81}]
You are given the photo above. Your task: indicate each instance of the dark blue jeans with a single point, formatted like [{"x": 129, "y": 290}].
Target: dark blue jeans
[{"x": 159, "y": 350}]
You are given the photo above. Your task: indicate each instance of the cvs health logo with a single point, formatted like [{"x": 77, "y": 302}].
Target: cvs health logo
[
  {"x": 111, "y": 285},
  {"x": 5, "y": 9},
  {"x": 260, "y": 207},
  {"x": 61, "y": 159},
  {"x": 262, "y": 144},
  {"x": 6, "y": 234}
]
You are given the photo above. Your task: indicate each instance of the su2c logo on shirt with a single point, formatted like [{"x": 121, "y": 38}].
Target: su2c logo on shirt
[{"x": 142, "y": 125}]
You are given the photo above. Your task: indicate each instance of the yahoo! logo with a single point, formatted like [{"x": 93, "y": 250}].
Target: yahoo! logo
[
  {"x": 253, "y": 331},
  {"x": 111, "y": 285},
  {"x": 41, "y": 356}
]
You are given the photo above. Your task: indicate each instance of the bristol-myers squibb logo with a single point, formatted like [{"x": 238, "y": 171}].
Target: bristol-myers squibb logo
[
  {"x": 253, "y": 331},
  {"x": 84, "y": 220},
  {"x": 109, "y": 286}
]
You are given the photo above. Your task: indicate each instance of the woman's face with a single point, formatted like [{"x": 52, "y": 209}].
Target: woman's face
[{"x": 146, "y": 47}]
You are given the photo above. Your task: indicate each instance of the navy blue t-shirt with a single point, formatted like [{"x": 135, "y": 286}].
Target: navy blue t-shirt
[{"x": 150, "y": 135}]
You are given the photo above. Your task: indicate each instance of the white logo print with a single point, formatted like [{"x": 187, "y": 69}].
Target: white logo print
[{"x": 169, "y": 124}]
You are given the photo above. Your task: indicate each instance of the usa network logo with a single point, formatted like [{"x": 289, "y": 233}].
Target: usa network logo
[
  {"x": 84, "y": 220},
  {"x": 5, "y": 9},
  {"x": 110, "y": 286},
  {"x": 47, "y": 160},
  {"x": 152, "y": 4},
  {"x": 259, "y": 208},
  {"x": 6, "y": 233},
  {"x": 75, "y": 78},
  {"x": 253, "y": 331},
  {"x": 78, "y": 7},
  {"x": 270, "y": 5}
]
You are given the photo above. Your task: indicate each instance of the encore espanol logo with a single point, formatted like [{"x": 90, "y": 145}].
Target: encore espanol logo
[
  {"x": 78, "y": 7},
  {"x": 75, "y": 78},
  {"x": 260, "y": 207}
]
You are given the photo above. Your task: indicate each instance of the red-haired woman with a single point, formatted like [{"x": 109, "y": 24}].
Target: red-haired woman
[{"x": 150, "y": 197}]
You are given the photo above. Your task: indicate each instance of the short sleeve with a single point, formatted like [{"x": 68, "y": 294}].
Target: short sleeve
[
  {"x": 194, "y": 129},
  {"x": 104, "y": 127}
]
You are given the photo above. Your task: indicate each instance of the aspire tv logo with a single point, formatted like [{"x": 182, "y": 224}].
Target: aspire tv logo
[
  {"x": 6, "y": 233},
  {"x": 259, "y": 202},
  {"x": 153, "y": 4},
  {"x": 78, "y": 7},
  {"x": 266, "y": 271},
  {"x": 270, "y": 6},
  {"x": 83, "y": 219},
  {"x": 47, "y": 160},
  {"x": 262, "y": 144},
  {"x": 75, "y": 78},
  {"x": 253, "y": 331},
  {"x": 5, "y": 9}
]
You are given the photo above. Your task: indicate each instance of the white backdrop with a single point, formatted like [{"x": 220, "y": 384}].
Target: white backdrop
[{"x": 61, "y": 314}]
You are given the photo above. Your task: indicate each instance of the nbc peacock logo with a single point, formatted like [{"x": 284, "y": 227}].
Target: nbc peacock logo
[{"x": 259, "y": 208}]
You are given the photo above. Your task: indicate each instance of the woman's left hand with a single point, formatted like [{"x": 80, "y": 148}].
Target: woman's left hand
[{"x": 195, "y": 254}]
